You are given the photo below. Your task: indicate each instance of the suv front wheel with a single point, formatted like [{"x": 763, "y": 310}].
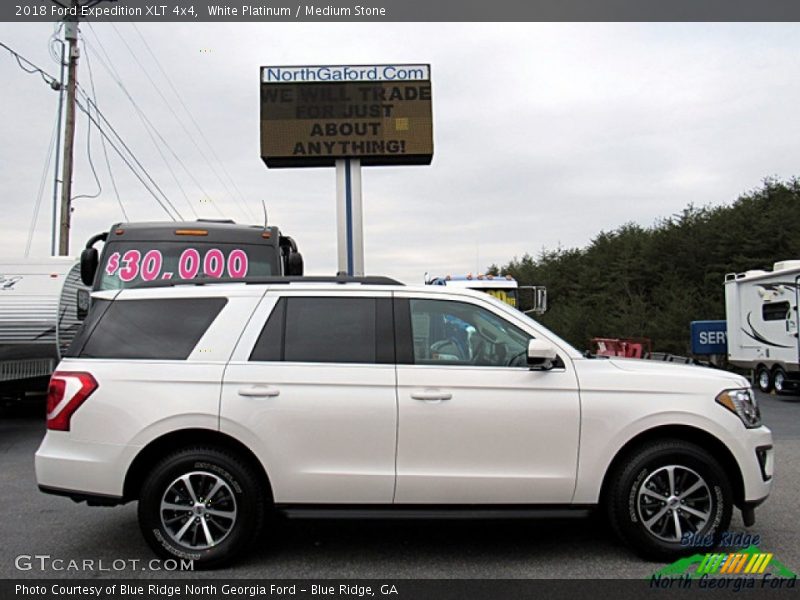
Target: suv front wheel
[
  {"x": 201, "y": 504},
  {"x": 667, "y": 497}
]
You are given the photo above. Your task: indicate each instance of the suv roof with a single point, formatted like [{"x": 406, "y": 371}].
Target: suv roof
[{"x": 339, "y": 279}]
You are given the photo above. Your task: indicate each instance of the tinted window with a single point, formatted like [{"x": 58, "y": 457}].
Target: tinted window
[
  {"x": 775, "y": 311},
  {"x": 458, "y": 333},
  {"x": 163, "y": 329},
  {"x": 97, "y": 309},
  {"x": 269, "y": 346},
  {"x": 328, "y": 330}
]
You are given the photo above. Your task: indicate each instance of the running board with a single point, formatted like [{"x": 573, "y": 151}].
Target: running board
[{"x": 428, "y": 511}]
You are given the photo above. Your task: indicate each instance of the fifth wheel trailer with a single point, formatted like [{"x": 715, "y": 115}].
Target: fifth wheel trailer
[
  {"x": 761, "y": 313},
  {"x": 39, "y": 316}
]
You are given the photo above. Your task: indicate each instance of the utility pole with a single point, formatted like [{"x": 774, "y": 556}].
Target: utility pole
[
  {"x": 71, "y": 35},
  {"x": 57, "y": 166}
]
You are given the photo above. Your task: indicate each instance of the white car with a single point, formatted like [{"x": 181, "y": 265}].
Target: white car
[{"x": 213, "y": 405}]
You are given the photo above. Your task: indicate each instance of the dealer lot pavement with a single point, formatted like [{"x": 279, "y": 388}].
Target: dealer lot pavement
[{"x": 34, "y": 524}]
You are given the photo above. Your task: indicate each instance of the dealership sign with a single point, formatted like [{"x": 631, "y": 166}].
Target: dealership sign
[
  {"x": 709, "y": 337},
  {"x": 381, "y": 114}
]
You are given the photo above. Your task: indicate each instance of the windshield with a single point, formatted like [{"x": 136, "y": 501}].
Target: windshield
[{"x": 130, "y": 264}]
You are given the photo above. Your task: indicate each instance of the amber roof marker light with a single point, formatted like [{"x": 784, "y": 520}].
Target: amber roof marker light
[{"x": 191, "y": 232}]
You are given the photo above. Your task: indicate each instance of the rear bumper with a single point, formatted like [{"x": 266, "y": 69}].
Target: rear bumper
[{"x": 81, "y": 469}]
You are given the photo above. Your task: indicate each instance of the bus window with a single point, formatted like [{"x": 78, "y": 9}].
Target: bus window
[{"x": 129, "y": 264}]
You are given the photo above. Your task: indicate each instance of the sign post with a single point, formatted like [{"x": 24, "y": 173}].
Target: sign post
[
  {"x": 349, "y": 217},
  {"x": 347, "y": 116}
]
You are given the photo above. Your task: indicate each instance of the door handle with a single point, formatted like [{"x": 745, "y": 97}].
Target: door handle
[
  {"x": 431, "y": 395},
  {"x": 259, "y": 391}
]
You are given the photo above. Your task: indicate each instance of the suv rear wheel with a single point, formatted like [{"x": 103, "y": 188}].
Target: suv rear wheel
[
  {"x": 664, "y": 491},
  {"x": 202, "y": 504}
]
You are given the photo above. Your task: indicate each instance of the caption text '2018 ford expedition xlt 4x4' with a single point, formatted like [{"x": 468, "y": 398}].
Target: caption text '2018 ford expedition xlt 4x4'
[{"x": 213, "y": 405}]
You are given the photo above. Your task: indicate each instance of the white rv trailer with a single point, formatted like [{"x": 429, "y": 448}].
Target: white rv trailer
[
  {"x": 761, "y": 313},
  {"x": 39, "y": 316}
]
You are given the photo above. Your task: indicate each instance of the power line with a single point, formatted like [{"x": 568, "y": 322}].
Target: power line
[
  {"x": 54, "y": 39},
  {"x": 48, "y": 79},
  {"x": 89, "y": 150},
  {"x": 177, "y": 120},
  {"x": 169, "y": 106},
  {"x": 113, "y": 145},
  {"x": 40, "y": 194},
  {"x": 103, "y": 140},
  {"x": 194, "y": 122},
  {"x": 149, "y": 125},
  {"x": 54, "y": 83}
]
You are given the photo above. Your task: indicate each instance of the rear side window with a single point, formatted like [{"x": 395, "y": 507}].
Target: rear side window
[
  {"x": 328, "y": 330},
  {"x": 161, "y": 329},
  {"x": 96, "y": 311}
]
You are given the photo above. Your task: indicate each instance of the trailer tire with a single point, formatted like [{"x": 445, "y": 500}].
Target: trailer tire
[
  {"x": 779, "y": 380},
  {"x": 763, "y": 379}
]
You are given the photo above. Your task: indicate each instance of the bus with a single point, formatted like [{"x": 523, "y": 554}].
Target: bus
[{"x": 135, "y": 254}]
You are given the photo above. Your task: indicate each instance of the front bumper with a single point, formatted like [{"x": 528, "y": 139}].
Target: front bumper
[{"x": 755, "y": 453}]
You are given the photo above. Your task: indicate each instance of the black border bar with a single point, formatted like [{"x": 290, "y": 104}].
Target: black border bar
[{"x": 409, "y": 10}]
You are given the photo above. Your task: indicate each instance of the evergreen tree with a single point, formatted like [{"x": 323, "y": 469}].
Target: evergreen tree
[{"x": 652, "y": 282}]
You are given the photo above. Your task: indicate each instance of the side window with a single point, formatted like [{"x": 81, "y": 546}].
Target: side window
[
  {"x": 775, "y": 311},
  {"x": 328, "y": 330},
  {"x": 96, "y": 311},
  {"x": 269, "y": 346},
  {"x": 458, "y": 333},
  {"x": 161, "y": 329}
]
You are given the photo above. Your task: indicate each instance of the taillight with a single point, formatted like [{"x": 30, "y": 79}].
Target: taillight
[{"x": 66, "y": 393}]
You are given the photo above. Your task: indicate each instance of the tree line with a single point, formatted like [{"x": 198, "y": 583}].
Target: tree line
[{"x": 652, "y": 282}]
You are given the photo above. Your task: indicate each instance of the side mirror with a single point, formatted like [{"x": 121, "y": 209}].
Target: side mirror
[
  {"x": 89, "y": 262},
  {"x": 294, "y": 264},
  {"x": 84, "y": 301},
  {"x": 541, "y": 355},
  {"x": 532, "y": 299}
]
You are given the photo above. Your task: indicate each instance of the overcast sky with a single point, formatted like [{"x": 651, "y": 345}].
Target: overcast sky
[{"x": 545, "y": 134}]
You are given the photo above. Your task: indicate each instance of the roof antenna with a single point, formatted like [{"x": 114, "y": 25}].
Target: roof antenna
[{"x": 264, "y": 206}]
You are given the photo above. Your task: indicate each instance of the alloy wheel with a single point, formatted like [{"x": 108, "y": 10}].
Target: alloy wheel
[
  {"x": 672, "y": 501},
  {"x": 198, "y": 510}
]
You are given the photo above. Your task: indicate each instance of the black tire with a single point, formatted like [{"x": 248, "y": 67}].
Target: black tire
[
  {"x": 648, "y": 466},
  {"x": 779, "y": 380},
  {"x": 763, "y": 379},
  {"x": 238, "y": 501}
]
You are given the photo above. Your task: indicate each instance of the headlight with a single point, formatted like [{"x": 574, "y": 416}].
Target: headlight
[{"x": 743, "y": 403}]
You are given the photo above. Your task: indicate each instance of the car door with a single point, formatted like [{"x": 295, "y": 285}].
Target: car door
[
  {"x": 311, "y": 389},
  {"x": 476, "y": 425}
]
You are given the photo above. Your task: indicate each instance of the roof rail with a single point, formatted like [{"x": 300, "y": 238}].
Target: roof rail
[{"x": 273, "y": 280}]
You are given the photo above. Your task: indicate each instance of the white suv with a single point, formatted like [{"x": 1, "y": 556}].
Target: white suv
[{"x": 214, "y": 405}]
